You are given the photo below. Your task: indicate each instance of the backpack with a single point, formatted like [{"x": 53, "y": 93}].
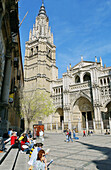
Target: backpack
[{"x": 69, "y": 133}]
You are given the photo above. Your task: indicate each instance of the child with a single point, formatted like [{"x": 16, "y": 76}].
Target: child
[{"x": 84, "y": 133}]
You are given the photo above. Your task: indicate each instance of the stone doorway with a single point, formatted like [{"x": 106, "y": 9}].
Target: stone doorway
[
  {"x": 88, "y": 116},
  {"x": 61, "y": 118},
  {"x": 84, "y": 119},
  {"x": 84, "y": 109}
]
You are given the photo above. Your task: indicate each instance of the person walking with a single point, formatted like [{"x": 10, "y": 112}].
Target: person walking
[
  {"x": 41, "y": 135},
  {"x": 74, "y": 135},
  {"x": 70, "y": 138},
  {"x": 67, "y": 136},
  {"x": 84, "y": 133}
]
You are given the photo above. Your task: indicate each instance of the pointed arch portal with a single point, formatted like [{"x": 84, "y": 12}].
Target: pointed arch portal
[{"x": 84, "y": 109}]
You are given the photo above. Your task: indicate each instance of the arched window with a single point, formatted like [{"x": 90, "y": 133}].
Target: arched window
[
  {"x": 31, "y": 51},
  {"x": 77, "y": 79},
  {"x": 108, "y": 80},
  {"x": 37, "y": 49},
  {"x": 104, "y": 81},
  {"x": 87, "y": 77},
  {"x": 101, "y": 81},
  {"x": 102, "y": 92},
  {"x": 106, "y": 92}
]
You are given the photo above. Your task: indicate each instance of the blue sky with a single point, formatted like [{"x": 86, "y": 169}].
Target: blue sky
[{"x": 80, "y": 27}]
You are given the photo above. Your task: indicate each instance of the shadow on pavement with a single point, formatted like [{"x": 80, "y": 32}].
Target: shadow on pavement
[{"x": 101, "y": 164}]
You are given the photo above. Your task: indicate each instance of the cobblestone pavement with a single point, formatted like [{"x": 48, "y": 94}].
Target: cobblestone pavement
[{"x": 88, "y": 153}]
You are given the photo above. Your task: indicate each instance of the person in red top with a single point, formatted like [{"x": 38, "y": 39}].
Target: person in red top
[
  {"x": 67, "y": 136},
  {"x": 13, "y": 137},
  {"x": 24, "y": 141},
  {"x": 84, "y": 133}
]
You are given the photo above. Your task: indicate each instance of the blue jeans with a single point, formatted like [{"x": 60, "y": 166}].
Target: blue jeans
[
  {"x": 3, "y": 147},
  {"x": 29, "y": 145},
  {"x": 74, "y": 135},
  {"x": 70, "y": 139}
]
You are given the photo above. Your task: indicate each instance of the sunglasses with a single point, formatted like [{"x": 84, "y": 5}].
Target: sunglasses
[{"x": 43, "y": 155}]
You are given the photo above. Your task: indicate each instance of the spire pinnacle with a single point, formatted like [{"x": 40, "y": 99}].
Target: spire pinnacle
[
  {"x": 42, "y": 9},
  {"x": 42, "y": 2}
]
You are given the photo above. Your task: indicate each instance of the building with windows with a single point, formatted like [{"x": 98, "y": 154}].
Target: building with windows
[
  {"x": 40, "y": 62},
  {"x": 83, "y": 94},
  {"x": 11, "y": 68}
]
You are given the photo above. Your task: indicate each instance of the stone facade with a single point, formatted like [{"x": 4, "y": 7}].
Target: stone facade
[
  {"x": 11, "y": 69},
  {"x": 86, "y": 93},
  {"x": 82, "y": 94},
  {"x": 40, "y": 61}
]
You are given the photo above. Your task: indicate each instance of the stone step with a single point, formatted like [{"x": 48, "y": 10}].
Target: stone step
[
  {"x": 8, "y": 163},
  {"x": 3, "y": 154},
  {"x": 22, "y": 161}
]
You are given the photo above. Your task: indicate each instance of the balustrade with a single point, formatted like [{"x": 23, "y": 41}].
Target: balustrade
[
  {"x": 80, "y": 86},
  {"x": 78, "y": 125}
]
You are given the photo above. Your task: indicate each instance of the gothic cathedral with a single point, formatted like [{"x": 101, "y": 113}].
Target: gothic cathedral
[
  {"x": 40, "y": 60},
  {"x": 82, "y": 96}
]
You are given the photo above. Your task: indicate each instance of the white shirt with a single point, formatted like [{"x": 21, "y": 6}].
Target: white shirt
[
  {"x": 38, "y": 165},
  {"x": 41, "y": 133}
]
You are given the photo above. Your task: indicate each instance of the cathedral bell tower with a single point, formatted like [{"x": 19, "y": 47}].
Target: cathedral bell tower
[{"x": 40, "y": 61}]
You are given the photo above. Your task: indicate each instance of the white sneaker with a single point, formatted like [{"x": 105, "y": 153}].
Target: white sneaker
[{"x": 22, "y": 151}]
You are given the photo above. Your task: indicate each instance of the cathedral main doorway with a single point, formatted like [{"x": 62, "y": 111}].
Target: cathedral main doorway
[
  {"x": 84, "y": 109},
  {"x": 86, "y": 116}
]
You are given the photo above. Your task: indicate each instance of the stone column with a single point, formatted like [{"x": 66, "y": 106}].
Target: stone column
[
  {"x": 79, "y": 125},
  {"x": 66, "y": 115},
  {"x": 69, "y": 125},
  {"x": 45, "y": 126},
  {"x": 87, "y": 125},
  {"x": 5, "y": 91},
  {"x": 7, "y": 77},
  {"x": 56, "y": 126},
  {"x": 81, "y": 77},
  {"x": 102, "y": 126},
  {"x": 51, "y": 126},
  {"x": 97, "y": 114},
  {"x": 62, "y": 125},
  {"x": 94, "y": 125},
  {"x": 110, "y": 124}
]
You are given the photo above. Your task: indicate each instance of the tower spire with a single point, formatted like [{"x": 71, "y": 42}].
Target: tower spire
[
  {"x": 42, "y": 2},
  {"x": 42, "y": 9}
]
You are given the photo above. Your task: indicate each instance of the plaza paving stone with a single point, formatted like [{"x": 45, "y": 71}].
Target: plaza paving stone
[{"x": 88, "y": 153}]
